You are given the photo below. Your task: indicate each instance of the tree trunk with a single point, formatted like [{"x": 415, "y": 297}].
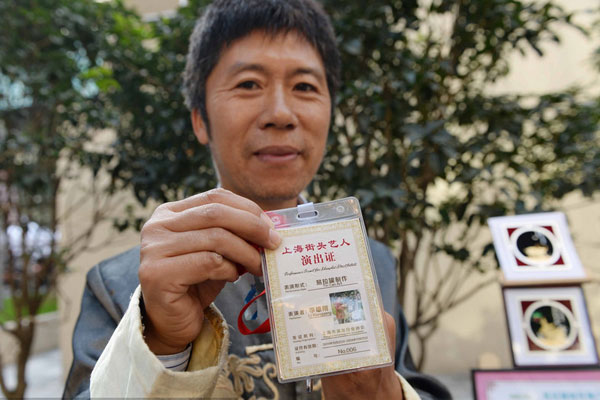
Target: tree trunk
[{"x": 24, "y": 336}]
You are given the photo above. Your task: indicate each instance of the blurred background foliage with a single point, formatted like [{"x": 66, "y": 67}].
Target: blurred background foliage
[
  {"x": 431, "y": 152},
  {"x": 418, "y": 137},
  {"x": 57, "y": 91}
]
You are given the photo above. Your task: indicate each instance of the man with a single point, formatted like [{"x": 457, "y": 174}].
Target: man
[{"x": 260, "y": 81}]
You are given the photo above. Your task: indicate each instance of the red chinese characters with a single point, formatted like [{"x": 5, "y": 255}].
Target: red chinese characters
[
  {"x": 311, "y": 247},
  {"x": 316, "y": 253}
]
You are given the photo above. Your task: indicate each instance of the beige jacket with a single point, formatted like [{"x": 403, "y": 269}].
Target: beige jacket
[{"x": 127, "y": 367}]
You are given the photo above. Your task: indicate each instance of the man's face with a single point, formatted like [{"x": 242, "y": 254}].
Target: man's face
[{"x": 268, "y": 108}]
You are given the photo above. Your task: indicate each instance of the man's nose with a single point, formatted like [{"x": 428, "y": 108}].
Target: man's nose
[{"x": 278, "y": 110}]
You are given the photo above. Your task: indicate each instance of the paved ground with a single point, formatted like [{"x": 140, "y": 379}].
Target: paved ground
[
  {"x": 459, "y": 385},
  {"x": 45, "y": 378},
  {"x": 43, "y": 373}
]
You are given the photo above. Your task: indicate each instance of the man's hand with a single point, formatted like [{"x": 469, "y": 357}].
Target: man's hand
[
  {"x": 189, "y": 250},
  {"x": 380, "y": 383}
]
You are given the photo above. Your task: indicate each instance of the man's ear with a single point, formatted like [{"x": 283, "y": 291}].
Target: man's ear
[{"x": 200, "y": 129}]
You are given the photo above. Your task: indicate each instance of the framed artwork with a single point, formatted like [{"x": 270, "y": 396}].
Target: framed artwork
[
  {"x": 536, "y": 384},
  {"x": 536, "y": 248},
  {"x": 549, "y": 326}
]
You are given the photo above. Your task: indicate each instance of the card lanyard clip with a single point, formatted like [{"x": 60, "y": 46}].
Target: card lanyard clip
[{"x": 306, "y": 211}]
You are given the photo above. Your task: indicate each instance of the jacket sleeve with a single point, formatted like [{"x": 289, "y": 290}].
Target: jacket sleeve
[
  {"x": 96, "y": 323},
  {"x": 127, "y": 367}
]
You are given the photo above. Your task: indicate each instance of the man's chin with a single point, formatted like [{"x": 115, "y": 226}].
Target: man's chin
[{"x": 273, "y": 198}]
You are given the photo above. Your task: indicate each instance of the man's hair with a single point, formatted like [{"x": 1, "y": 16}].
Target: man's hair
[{"x": 225, "y": 21}]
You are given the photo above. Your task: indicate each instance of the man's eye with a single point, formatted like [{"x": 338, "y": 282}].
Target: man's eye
[
  {"x": 248, "y": 85},
  {"x": 305, "y": 87}
]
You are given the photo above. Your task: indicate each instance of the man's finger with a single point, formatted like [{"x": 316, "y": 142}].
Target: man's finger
[
  {"x": 240, "y": 222},
  {"x": 189, "y": 269},
  {"x": 390, "y": 327},
  {"x": 217, "y": 240},
  {"x": 219, "y": 195}
]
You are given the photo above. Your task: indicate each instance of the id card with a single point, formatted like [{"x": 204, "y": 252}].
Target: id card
[{"x": 326, "y": 310}]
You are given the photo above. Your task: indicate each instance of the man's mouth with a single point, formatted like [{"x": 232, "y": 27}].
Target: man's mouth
[{"x": 277, "y": 154}]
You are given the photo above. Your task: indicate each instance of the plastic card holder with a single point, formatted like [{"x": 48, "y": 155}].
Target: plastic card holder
[{"x": 324, "y": 301}]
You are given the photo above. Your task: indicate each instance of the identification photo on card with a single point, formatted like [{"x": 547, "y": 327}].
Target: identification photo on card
[{"x": 326, "y": 311}]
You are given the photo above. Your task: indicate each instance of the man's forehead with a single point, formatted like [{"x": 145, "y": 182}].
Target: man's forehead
[
  {"x": 259, "y": 43},
  {"x": 272, "y": 35}
]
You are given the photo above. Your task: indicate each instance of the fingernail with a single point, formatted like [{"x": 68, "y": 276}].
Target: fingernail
[
  {"x": 274, "y": 238},
  {"x": 268, "y": 220}
]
